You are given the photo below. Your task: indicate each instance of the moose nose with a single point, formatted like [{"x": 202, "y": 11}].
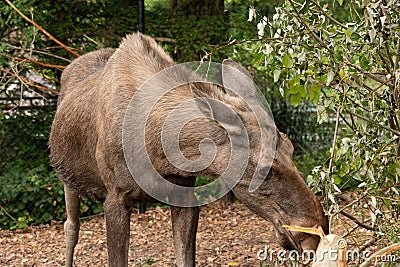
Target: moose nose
[
  {"x": 264, "y": 171},
  {"x": 310, "y": 243}
]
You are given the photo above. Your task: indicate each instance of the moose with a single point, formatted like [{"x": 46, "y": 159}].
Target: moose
[{"x": 87, "y": 153}]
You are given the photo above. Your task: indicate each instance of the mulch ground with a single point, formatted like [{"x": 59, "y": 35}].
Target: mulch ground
[{"x": 228, "y": 236}]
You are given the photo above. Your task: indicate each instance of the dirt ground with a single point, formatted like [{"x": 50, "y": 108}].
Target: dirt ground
[{"x": 228, "y": 236}]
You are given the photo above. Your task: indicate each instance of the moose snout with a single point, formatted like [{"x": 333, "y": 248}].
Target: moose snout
[
  {"x": 301, "y": 241},
  {"x": 263, "y": 172},
  {"x": 310, "y": 243},
  {"x": 297, "y": 241}
]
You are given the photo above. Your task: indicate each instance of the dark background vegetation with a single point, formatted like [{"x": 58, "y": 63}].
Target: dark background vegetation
[{"x": 189, "y": 30}]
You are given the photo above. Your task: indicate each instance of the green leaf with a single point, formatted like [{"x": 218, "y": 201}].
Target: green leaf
[
  {"x": 295, "y": 99},
  {"x": 277, "y": 74},
  {"x": 296, "y": 79},
  {"x": 258, "y": 57},
  {"x": 365, "y": 63},
  {"x": 302, "y": 90},
  {"x": 342, "y": 73},
  {"x": 336, "y": 180},
  {"x": 315, "y": 92},
  {"x": 295, "y": 86},
  {"x": 340, "y": 2},
  {"x": 347, "y": 33},
  {"x": 287, "y": 61},
  {"x": 294, "y": 89},
  {"x": 325, "y": 59}
]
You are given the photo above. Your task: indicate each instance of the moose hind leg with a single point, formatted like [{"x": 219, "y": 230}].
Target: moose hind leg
[{"x": 71, "y": 226}]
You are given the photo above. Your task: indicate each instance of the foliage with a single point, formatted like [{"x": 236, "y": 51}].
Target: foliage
[
  {"x": 185, "y": 35},
  {"x": 28, "y": 189},
  {"x": 349, "y": 68},
  {"x": 315, "y": 58},
  {"x": 30, "y": 192}
]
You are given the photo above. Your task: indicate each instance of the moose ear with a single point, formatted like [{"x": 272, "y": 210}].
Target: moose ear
[
  {"x": 239, "y": 80},
  {"x": 220, "y": 112},
  {"x": 233, "y": 64}
]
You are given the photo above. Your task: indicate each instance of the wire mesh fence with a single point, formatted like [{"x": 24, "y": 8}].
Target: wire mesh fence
[{"x": 27, "y": 183}]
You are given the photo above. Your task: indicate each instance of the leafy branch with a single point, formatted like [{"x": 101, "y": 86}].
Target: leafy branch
[
  {"x": 27, "y": 82},
  {"x": 42, "y": 29}
]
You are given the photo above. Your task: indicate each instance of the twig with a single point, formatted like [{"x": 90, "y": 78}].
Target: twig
[
  {"x": 396, "y": 70},
  {"x": 385, "y": 61},
  {"x": 91, "y": 39},
  {"x": 367, "y": 244},
  {"x": 334, "y": 140},
  {"x": 396, "y": 63},
  {"x": 234, "y": 42},
  {"x": 328, "y": 16},
  {"x": 36, "y": 51},
  {"x": 8, "y": 214},
  {"x": 380, "y": 86},
  {"x": 376, "y": 123},
  {"x": 389, "y": 198},
  {"x": 388, "y": 54},
  {"x": 378, "y": 255},
  {"x": 166, "y": 40},
  {"x": 351, "y": 203},
  {"x": 43, "y": 30},
  {"x": 34, "y": 62},
  {"x": 369, "y": 75},
  {"x": 26, "y": 82},
  {"x": 354, "y": 219},
  {"x": 311, "y": 32},
  {"x": 351, "y": 230},
  {"x": 91, "y": 216},
  {"x": 51, "y": 55}
]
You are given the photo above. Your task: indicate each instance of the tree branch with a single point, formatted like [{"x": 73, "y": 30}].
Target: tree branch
[
  {"x": 385, "y": 61},
  {"x": 388, "y": 55},
  {"x": 34, "y": 62},
  {"x": 397, "y": 61},
  {"x": 43, "y": 30},
  {"x": 369, "y": 75},
  {"x": 354, "y": 219},
  {"x": 36, "y": 51},
  {"x": 379, "y": 87},
  {"x": 378, "y": 255},
  {"x": 234, "y": 42},
  {"x": 376, "y": 123},
  {"x": 25, "y": 81},
  {"x": 327, "y": 15},
  {"x": 311, "y": 32}
]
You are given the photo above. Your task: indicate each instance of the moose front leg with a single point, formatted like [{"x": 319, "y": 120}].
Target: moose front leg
[
  {"x": 117, "y": 227},
  {"x": 184, "y": 227}
]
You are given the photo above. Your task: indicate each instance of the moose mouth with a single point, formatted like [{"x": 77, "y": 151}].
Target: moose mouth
[
  {"x": 286, "y": 238},
  {"x": 297, "y": 241}
]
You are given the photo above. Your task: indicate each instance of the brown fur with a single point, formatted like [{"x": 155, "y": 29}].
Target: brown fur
[{"x": 86, "y": 151}]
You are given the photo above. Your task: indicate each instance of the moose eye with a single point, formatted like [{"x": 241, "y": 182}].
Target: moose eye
[{"x": 264, "y": 171}]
